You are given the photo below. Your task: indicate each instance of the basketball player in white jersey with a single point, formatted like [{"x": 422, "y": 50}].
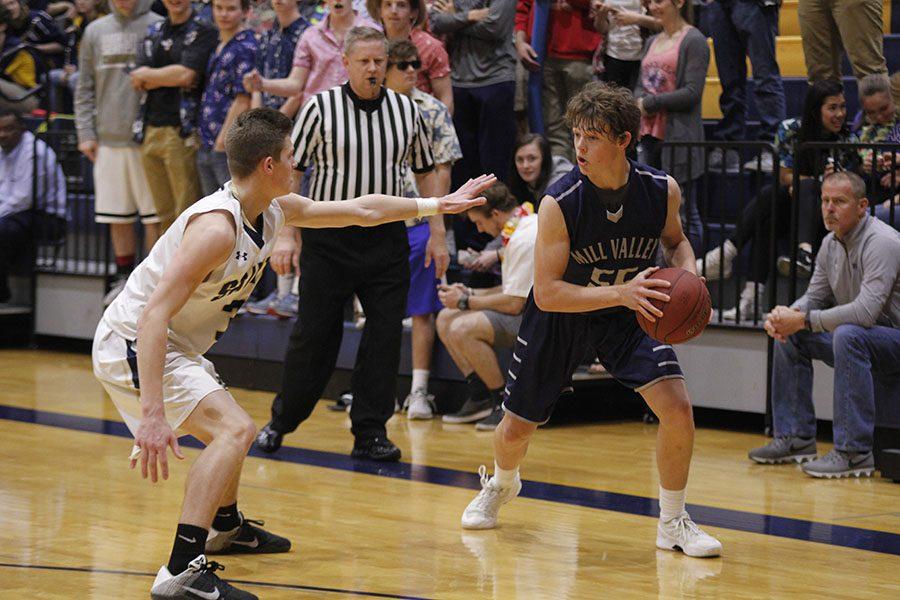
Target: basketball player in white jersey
[{"x": 149, "y": 345}]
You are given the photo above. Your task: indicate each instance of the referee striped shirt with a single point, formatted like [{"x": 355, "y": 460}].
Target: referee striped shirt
[{"x": 359, "y": 146}]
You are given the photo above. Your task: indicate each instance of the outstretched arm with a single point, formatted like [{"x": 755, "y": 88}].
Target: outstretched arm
[
  {"x": 208, "y": 241},
  {"x": 376, "y": 209}
]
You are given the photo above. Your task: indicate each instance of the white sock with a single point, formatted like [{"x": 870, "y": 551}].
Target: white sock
[
  {"x": 671, "y": 503},
  {"x": 505, "y": 477},
  {"x": 420, "y": 379},
  {"x": 295, "y": 287},
  {"x": 284, "y": 285}
]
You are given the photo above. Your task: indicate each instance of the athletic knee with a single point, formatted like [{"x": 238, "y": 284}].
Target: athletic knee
[
  {"x": 512, "y": 431},
  {"x": 678, "y": 410},
  {"x": 443, "y": 323},
  {"x": 242, "y": 431}
]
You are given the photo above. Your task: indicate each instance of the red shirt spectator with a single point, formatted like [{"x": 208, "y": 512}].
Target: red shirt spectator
[
  {"x": 435, "y": 62},
  {"x": 571, "y": 34}
]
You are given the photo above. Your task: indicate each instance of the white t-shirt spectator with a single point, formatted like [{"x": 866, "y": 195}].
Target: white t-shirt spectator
[
  {"x": 517, "y": 267},
  {"x": 624, "y": 41}
]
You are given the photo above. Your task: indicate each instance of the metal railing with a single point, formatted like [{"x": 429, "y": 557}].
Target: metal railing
[
  {"x": 718, "y": 195},
  {"x": 83, "y": 247}
]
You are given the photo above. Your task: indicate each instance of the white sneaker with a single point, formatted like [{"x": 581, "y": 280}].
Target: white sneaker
[
  {"x": 483, "y": 510},
  {"x": 724, "y": 254},
  {"x": 683, "y": 534},
  {"x": 748, "y": 304},
  {"x": 419, "y": 405}
]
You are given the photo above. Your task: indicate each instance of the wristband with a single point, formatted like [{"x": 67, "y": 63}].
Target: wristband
[
  {"x": 463, "y": 303},
  {"x": 427, "y": 207}
]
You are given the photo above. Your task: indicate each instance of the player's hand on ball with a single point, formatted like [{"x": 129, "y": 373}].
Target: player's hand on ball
[
  {"x": 467, "y": 196},
  {"x": 636, "y": 294},
  {"x": 154, "y": 436}
]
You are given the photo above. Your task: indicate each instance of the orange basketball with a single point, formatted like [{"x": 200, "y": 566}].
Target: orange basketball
[{"x": 687, "y": 312}]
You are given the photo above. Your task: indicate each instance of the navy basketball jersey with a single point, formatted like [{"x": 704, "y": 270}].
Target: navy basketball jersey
[{"x": 610, "y": 245}]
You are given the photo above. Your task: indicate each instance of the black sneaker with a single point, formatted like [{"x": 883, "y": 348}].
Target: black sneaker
[
  {"x": 378, "y": 448},
  {"x": 343, "y": 403},
  {"x": 199, "y": 580},
  {"x": 246, "y": 538},
  {"x": 805, "y": 260},
  {"x": 471, "y": 411},
  {"x": 268, "y": 440},
  {"x": 490, "y": 422}
]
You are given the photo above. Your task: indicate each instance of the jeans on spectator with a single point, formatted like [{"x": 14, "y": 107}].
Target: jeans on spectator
[
  {"x": 742, "y": 28},
  {"x": 212, "y": 168},
  {"x": 857, "y": 354},
  {"x": 55, "y": 98}
]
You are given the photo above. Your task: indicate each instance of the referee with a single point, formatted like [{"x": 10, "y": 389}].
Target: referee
[{"x": 358, "y": 137}]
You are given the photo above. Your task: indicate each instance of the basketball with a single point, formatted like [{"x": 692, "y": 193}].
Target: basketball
[{"x": 687, "y": 312}]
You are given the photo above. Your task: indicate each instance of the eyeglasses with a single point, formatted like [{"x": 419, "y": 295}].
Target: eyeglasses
[{"x": 405, "y": 64}]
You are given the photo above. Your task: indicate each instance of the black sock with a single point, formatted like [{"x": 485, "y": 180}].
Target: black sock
[
  {"x": 496, "y": 396},
  {"x": 227, "y": 518},
  {"x": 190, "y": 541},
  {"x": 477, "y": 389}
]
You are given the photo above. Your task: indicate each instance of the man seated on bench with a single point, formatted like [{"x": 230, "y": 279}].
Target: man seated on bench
[
  {"x": 32, "y": 194},
  {"x": 848, "y": 318},
  {"x": 475, "y": 322}
]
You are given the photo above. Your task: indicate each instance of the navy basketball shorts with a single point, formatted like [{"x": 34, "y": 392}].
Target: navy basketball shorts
[{"x": 550, "y": 346}]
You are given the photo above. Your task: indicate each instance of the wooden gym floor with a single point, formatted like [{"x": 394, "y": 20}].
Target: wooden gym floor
[{"x": 76, "y": 523}]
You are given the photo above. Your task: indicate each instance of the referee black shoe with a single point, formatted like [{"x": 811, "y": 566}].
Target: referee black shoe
[
  {"x": 247, "y": 538},
  {"x": 268, "y": 440},
  {"x": 377, "y": 448}
]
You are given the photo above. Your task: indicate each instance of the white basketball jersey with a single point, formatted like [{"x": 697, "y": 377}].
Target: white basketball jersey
[{"x": 205, "y": 316}]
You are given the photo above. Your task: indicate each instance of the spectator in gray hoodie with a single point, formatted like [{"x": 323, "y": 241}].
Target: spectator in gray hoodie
[{"x": 106, "y": 106}]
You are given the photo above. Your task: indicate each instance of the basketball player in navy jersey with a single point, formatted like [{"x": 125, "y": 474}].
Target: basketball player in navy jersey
[
  {"x": 149, "y": 346},
  {"x": 599, "y": 229}
]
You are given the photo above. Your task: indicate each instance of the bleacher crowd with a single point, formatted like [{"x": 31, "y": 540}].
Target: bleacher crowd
[{"x": 154, "y": 86}]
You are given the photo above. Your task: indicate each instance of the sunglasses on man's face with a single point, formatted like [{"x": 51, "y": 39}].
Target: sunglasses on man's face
[{"x": 405, "y": 64}]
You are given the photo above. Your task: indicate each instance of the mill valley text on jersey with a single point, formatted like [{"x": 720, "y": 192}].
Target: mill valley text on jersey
[{"x": 613, "y": 234}]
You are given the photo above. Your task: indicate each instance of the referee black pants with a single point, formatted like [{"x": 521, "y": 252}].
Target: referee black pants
[{"x": 326, "y": 284}]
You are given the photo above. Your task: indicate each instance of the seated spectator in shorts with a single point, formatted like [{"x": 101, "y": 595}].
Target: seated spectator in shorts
[
  {"x": 32, "y": 193},
  {"x": 404, "y": 20},
  {"x": 18, "y": 72},
  {"x": 66, "y": 77},
  {"x": 848, "y": 322},
  {"x": 882, "y": 125},
  {"x": 532, "y": 171},
  {"x": 404, "y": 63},
  {"x": 476, "y": 322},
  {"x": 36, "y": 28},
  {"x": 224, "y": 97}
]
